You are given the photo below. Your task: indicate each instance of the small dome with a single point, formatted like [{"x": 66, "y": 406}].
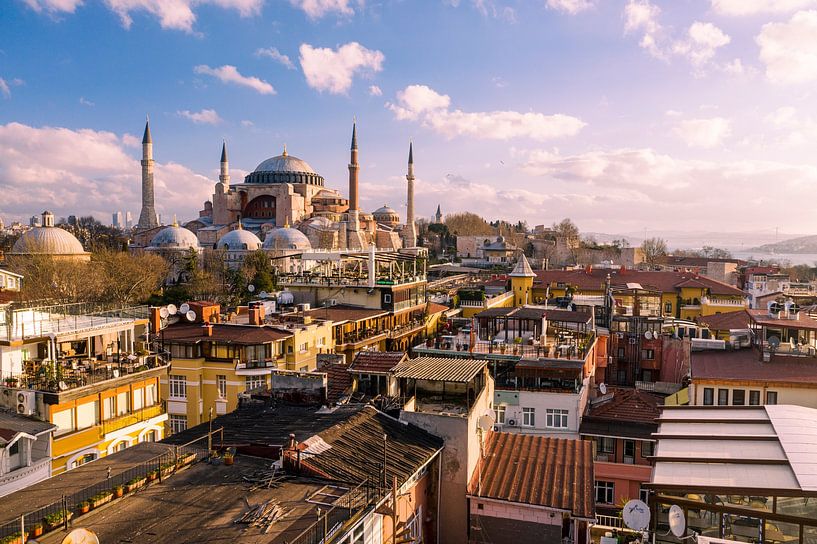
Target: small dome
[
  {"x": 174, "y": 237},
  {"x": 48, "y": 241},
  {"x": 238, "y": 240},
  {"x": 385, "y": 210},
  {"x": 287, "y": 238}
]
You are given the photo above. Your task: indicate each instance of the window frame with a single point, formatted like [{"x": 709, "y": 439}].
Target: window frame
[
  {"x": 609, "y": 490},
  {"x": 554, "y": 414},
  {"x": 528, "y": 417},
  {"x": 709, "y": 395},
  {"x": 177, "y": 386}
]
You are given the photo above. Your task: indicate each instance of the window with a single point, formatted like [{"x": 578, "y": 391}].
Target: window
[
  {"x": 738, "y": 397},
  {"x": 87, "y": 415},
  {"x": 647, "y": 354},
  {"x": 606, "y": 445},
  {"x": 150, "y": 436},
  {"x": 629, "y": 451},
  {"x": 138, "y": 399},
  {"x": 556, "y": 419},
  {"x": 221, "y": 383},
  {"x": 499, "y": 412},
  {"x": 605, "y": 492},
  {"x": 647, "y": 448},
  {"x": 255, "y": 382},
  {"x": 178, "y": 423},
  {"x": 150, "y": 395},
  {"x": 122, "y": 403},
  {"x": 709, "y": 396},
  {"x": 108, "y": 407},
  {"x": 303, "y": 347},
  {"x": 122, "y": 446},
  {"x": 87, "y": 458},
  {"x": 528, "y": 417},
  {"x": 754, "y": 398},
  {"x": 723, "y": 397},
  {"x": 668, "y": 307},
  {"x": 771, "y": 397},
  {"x": 644, "y": 495},
  {"x": 178, "y": 387},
  {"x": 621, "y": 353},
  {"x": 64, "y": 420}
]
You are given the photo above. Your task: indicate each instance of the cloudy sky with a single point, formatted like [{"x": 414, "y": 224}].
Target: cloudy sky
[{"x": 621, "y": 114}]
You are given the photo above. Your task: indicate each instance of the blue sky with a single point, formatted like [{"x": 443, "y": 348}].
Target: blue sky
[{"x": 621, "y": 114}]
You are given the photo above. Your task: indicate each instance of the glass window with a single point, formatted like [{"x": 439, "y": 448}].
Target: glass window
[
  {"x": 87, "y": 458},
  {"x": 64, "y": 420},
  {"x": 178, "y": 423},
  {"x": 644, "y": 495},
  {"x": 138, "y": 399},
  {"x": 556, "y": 419},
  {"x": 528, "y": 417},
  {"x": 648, "y": 354},
  {"x": 771, "y": 397},
  {"x": 629, "y": 451},
  {"x": 605, "y": 492},
  {"x": 709, "y": 396},
  {"x": 255, "y": 382},
  {"x": 108, "y": 407},
  {"x": 87, "y": 414},
  {"x": 738, "y": 397},
  {"x": 221, "y": 382},
  {"x": 178, "y": 387},
  {"x": 605, "y": 445},
  {"x": 647, "y": 448},
  {"x": 754, "y": 398},
  {"x": 122, "y": 403},
  {"x": 499, "y": 412},
  {"x": 723, "y": 397}
]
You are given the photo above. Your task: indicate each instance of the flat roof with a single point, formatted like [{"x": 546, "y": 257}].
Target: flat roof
[
  {"x": 768, "y": 449},
  {"x": 224, "y": 332},
  {"x": 440, "y": 369},
  {"x": 743, "y": 365}
]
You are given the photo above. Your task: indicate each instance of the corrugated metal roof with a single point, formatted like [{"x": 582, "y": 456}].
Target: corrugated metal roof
[
  {"x": 440, "y": 369},
  {"x": 537, "y": 470}
]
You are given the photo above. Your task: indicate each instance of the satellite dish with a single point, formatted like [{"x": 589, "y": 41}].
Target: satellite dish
[
  {"x": 171, "y": 309},
  {"x": 251, "y": 288},
  {"x": 677, "y": 521},
  {"x": 636, "y": 515},
  {"x": 190, "y": 315},
  {"x": 603, "y": 388},
  {"x": 80, "y": 536},
  {"x": 263, "y": 294},
  {"x": 774, "y": 341},
  {"x": 184, "y": 308},
  {"x": 163, "y": 313},
  {"x": 648, "y": 335},
  {"x": 486, "y": 422}
]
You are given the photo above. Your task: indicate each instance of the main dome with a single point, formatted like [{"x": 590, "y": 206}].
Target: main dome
[
  {"x": 284, "y": 168},
  {"x": 48, "y": 241}
]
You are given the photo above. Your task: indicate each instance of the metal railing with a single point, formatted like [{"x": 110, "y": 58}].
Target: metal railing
[
  {"x": 61, "y": 512},
  {"x": 330, "y": 523}
]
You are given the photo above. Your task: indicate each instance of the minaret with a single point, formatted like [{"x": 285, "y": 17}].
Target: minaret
[
  {"x": 354, "y": 171},
  {"x": 410, "y": 229},
  {"x": 438, "y": 217},
  {"x": 224, "y": 176},
  {"x": 147, "y": 218}
]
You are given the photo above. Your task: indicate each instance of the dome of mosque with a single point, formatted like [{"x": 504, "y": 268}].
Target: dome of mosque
[
  {"x": 239, "y": 240},
  {"x": 48, "y": 240},
  {"x": 284, "y": 168},
  {"x": 386, "y": 215},
  {"x": 174, "y": 237},
  {"x": 287, "y": 238}
]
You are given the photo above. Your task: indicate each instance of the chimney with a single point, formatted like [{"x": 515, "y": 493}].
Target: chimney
[
  {"x": 208, "y": 330},
  {"x": 256, "y": 316},
  {"x": 155, "y": 320}
]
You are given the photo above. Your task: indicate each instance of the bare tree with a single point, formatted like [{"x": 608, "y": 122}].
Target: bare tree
[{"x": 654, "y": 249}]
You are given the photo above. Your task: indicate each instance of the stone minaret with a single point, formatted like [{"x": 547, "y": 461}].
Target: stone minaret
[
  {"x": 224, "y": 176},
  {"x": 410, "y": 229},
  {"x": 354, "y": 171},
  {"x": 438, "y": 217},
  {"x": 147, "y": 218}
]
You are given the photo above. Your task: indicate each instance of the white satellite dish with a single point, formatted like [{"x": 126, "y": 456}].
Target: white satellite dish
[
  {"x": 251, "y": 288},
  {"x": 184, "y": 308},
  {"x": 80, "y": 536},
  {"x": 163, "y": 313},
  {"x": 263, "y": 294},
  {"x": 636, "y": 515},
  {"x": 486, "y": 422},
  {"x": 190, "y": 315},
  {"x": 677, "y": 521},
  {"x": 171, "y": 309},
  {"x": 603, "y": 388},
  {"x": 648, "y": 335}
]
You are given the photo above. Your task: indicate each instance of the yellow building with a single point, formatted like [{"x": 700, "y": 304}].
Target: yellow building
[{"x": 87, "y": 375}]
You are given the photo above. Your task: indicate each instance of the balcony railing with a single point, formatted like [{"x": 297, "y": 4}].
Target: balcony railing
[
  {"x": 149, "y": 412},
  {"x": 713, "y": 301}
]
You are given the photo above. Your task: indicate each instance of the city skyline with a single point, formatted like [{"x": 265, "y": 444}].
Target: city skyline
[{"x": 620, "y": 115}]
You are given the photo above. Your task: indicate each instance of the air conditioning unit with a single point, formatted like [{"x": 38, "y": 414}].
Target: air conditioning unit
[
  {"x": 497, "y": 427},
  {"x": 620, "y": 335},
  {"x": 633, "y": 341},
  {"x": 512, "y": 422},
  {"x": 26, "y": 402}
]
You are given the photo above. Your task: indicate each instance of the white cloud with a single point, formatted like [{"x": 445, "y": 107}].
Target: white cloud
[
  {"x": 230, "y": 74},
  {"x": 333, "y": 70},
  {"x": 422, "y": 103},
  {"x": 203, "y": 117},
  {"x": 642, "y": 16},
  {"x": 86, "y": 171},
  {"x": 756, "y": 7},
  {"x": 374, "y": 90},
  {"x": 53, "y": 6},
  {"x": 85, "y": 102},
  {"x": 178, "y": 14},
  {"x": 247, "y": 123},
  {"x": 274, "y": 54},
  {"x": 701, "y": 43},
  {"x": 570, "y": 6},
  {"x": 315, "y": 9},
  {"x": 792, "y": 128},
  {"x": 5, "y": 90},
  {"x": 705, "y": 133},
  {"x": 789, "y": 50}
]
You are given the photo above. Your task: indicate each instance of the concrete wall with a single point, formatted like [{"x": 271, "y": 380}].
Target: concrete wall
[
  {"x": 541, "y": 401},
  {"x": 796, "y": 394},
  {"x": 498, "y": 522}
]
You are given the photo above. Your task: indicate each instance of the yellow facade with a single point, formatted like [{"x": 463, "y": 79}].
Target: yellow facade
[{"x": 522, "y": 287}]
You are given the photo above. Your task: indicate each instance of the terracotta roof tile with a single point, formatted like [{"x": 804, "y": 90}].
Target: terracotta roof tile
[
  {"x": 338, "y": 381},
  {"x": 727, "y": 321},
  {"x": 233, "y": 334},
  {"x": 377, "y": 361},
  {"x": 664, "y": 281},
  {"x": 743, "y": 365}
]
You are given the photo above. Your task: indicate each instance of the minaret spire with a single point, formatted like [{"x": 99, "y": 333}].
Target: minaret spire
[
  {"x": 224, "y": 174},
  {"x": 147, "y": 217},
  {"x": 410, "y": 230},
  {"x": 354, "y": 170}
]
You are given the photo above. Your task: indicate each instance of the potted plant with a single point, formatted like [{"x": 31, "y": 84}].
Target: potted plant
[
  {"x": 167, "y": 468},
  {"x": 118, "y": 491},
  {"x": 15, "y": 538},
  {"x": 57, "y": 518},
  {"x": 101, "y": 498},
  {"x": 153, "y": 474},
  {"x": 84, "y": 507},
  {"x": 36, "y": 529},
  {"x": 135, "y": 483},
  {"x": 10, "y": 382},
  {"x": 229, "y": 458},
  {"x": 186, "y": 459}
]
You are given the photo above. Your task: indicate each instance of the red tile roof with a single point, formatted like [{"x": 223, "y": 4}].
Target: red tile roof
[
  {"x": 628, "y": 405},
  {"x": 231, "y": 334},
  {"x": 342, "y": 314},
  {"x": 338, "y": 381},
  {"x": 377, "y": 361},
  {"x": 537, "y": 470},
  {"x": 664, "y": 281},
  {"x": 727, "y": 321},
  {"x": 434, "y": 308},
  {"x": 743, "y": 365}
]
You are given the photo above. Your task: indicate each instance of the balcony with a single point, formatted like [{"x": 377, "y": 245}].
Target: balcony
[
  {"x": 352, "y": 339},
  {"x": 408, "y": 328},
  {"x": 120, "y": 422},
  {"x": 715, "y": 301}
]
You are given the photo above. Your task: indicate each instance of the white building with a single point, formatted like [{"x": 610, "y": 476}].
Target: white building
[{"x": 25, "y": 451}]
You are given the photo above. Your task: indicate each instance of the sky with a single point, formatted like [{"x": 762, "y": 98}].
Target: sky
[{"x": 624, "y": 115}]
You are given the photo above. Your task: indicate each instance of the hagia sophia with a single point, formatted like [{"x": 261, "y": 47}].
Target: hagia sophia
[{"x": 282, "y": 207}]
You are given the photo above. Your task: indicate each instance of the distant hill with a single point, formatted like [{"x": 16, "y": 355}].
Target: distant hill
[{"x": 803, "y": 244}]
